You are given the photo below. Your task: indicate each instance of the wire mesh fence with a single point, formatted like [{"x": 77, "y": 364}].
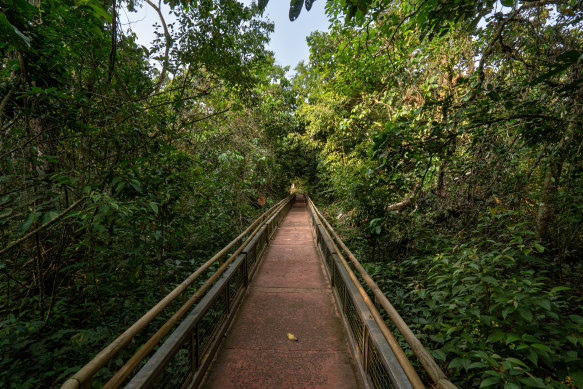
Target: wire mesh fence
[
  {"x": 370, "y": 348},
  {"x": 183, "y": 358},
  {"x": 178, "y": 370},
  {"x": 378, "y": 374}
]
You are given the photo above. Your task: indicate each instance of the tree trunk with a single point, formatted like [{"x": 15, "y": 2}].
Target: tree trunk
[
  {"x": 546, "y": 206},
  {"x": 545, "y": 209}
]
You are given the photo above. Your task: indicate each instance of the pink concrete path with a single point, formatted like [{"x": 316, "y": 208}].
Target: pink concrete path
[{"x": 289, "y": 294}]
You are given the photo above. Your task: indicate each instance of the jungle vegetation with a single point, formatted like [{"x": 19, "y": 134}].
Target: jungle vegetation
[{"x": 443, "y": 139}]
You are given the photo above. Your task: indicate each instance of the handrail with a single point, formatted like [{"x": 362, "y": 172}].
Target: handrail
[
  {"x": 200, "y": 333},
  {"x": 414, "y": 379},
  {"x": 82, "y": 379},
  {"x": 435, "y": 373}
]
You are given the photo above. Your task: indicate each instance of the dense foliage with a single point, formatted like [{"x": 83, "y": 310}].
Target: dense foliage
[
  {"x": 444, "y": 137},
  {"x": 449, "y": 140},
  {"x": 147, "y": 170}
]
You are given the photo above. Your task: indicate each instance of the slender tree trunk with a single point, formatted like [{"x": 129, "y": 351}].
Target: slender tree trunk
[
  {"x": 546, "y": 206},
  {"x": 113, "y": 51},
  {"x": 545, "y": 209}
]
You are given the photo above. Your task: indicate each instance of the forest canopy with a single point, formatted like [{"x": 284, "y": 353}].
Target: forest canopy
[
  {"x": 443, "y": 140},
  {"x": 449, "y": 144}
]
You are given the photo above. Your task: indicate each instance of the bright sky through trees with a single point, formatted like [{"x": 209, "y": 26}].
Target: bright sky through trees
[{"x": 288, "y": 41}]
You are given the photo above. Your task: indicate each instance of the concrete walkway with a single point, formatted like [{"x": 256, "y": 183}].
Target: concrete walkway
[{"x": 289, "y": 295}]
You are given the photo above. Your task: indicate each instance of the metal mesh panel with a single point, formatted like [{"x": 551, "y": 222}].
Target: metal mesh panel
[
  {"x": 340, "y": 287},
  {"x": 211, "y": 321},
  {"x": 329, "y": 260},
  {"x": 375, "y": 368},
  {"x": 354, "y": 322},
  {"x": 264, "y": 240},
  {"x": 177, "y": 371},
  {"x": 379, "y": 363},
  {"x": 260, "y": 244},
  {"x": 199, "y": 333},
  {"x": 251, "y": 258},
  {"x": 236, "y": 283}
]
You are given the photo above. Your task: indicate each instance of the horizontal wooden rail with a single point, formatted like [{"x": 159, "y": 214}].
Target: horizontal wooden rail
[
  {"x": 435, "y": 373},
  {"x": 201, "y": 331},
  {"x": 370, "y": 335},
  {"x": 82, "y": 379}
]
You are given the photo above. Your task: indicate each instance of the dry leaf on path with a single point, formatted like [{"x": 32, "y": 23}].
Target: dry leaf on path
[{"x": 292, "y": 337}]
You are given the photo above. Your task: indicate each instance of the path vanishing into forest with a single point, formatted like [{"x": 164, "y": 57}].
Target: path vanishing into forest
[
  {"x": 290, "y": 297},
  {"x": 284, "y": 310}
]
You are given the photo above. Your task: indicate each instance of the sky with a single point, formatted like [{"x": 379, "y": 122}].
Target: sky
[{"x": 288, "y": 41}]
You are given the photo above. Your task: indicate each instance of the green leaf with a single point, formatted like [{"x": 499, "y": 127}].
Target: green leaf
[
  {"x": 136, "y": 185},
  {"x": 577, "y": 319},
  {"x": 48, "y": 216},
  {"x": 154, "y": 207},
  {"x": 572, "y": 339},
  {"x": 460, "y": 362},
  {"x": 262, "y": 4},
  {"x": 100, "y": 12},
  {"x": 577, "y": 377},
  {"x": 295, "y": 8},
  {"x": 489, "y": 382},
  {"x": 489, "y": 280},
  {"x": 33, "y": 217},
  {"x": 541, "y": 347},
  {"x": 526, "y": 314},
  {"x": 438, "y": 354},
  {"x": 545, "y": 303},
  {"x": 496, "y": 336},
  {"x": 5, "y": 213},
  {"x": 532, "y": 356},
  {"x": 559, "y": 289},
  {"x": 533, "y": 381},
  {"x": 9, "y": 29},
  {"x": 507, "y": 3},
  {"x": 510, "y": 385},
  {"x": 477, "y": 365},
  {"x": 570, "y": 57},
  {"x": 516, "y": 362},
  {"x": 25, "y": 7}
]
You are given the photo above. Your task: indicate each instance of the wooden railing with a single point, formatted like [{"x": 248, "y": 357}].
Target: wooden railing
[
  {"x": 381, "y": 360},
  {"x": 183, "y": 357}
]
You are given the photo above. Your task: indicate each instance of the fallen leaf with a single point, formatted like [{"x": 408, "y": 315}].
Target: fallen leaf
[{"x": 292, "y": 337}]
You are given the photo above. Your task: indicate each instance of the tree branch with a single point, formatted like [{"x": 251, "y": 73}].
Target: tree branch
[
  {"x": 167, "y": 50},
  {"x": 43, "y": 227}
]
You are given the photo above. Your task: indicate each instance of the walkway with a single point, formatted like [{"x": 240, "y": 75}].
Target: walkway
[{"x": 289, "y": 295}]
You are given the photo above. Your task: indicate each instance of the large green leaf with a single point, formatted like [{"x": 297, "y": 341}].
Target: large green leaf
[
  {"x": 30, "y": 221},
  {"x": 295, "y": 8},
  {"x": 11, "y": 34},
  {"x": 262, "y": 4}
]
